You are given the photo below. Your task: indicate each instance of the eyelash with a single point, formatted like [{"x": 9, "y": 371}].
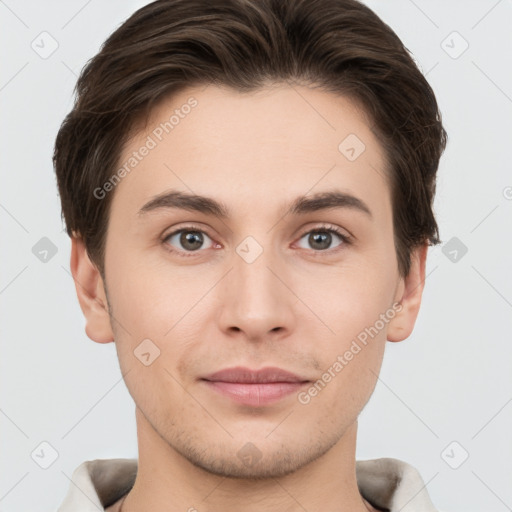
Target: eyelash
[{"x": 321, "y": 229}]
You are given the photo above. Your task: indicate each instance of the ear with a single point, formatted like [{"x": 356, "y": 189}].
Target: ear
[
  {"x": 91, "y": 293},
  {"x": 409, "y": 293}
]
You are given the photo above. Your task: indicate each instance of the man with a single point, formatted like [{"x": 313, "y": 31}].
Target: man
[{"x": 248, "y": 187}]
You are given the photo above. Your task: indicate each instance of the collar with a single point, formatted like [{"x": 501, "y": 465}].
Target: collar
[{"x": 387, "y": 483}]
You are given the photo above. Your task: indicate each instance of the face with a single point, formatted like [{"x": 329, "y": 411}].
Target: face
[{"x": 192, "y": 292}]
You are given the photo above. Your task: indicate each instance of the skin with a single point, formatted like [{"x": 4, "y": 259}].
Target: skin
[{"x": 295, "y": 306}]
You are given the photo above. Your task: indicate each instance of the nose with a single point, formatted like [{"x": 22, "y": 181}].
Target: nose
[{"x": 256, "y": 301}]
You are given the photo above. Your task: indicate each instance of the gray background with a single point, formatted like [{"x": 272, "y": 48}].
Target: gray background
[{"x": 443, "y": 394}]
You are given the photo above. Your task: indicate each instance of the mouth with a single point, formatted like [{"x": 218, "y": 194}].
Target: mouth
[{"x": 255, "y": 388}]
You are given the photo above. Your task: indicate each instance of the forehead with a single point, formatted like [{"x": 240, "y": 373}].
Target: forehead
[{"x": 281, "y": 140}]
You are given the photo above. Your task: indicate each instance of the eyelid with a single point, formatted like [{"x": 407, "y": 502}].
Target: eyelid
[
  {"x": 346, "y": 239},
  {"x": 343, "y": 233},
  {"x": 186, "y": 227}
]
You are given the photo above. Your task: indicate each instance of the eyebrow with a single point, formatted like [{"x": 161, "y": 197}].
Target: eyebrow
[{"x": 300, "y": 206}]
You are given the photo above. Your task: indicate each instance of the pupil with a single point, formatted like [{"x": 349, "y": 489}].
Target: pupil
[
  {"x": 191, "y": 240},
  {"x": 319, "y": 237}
]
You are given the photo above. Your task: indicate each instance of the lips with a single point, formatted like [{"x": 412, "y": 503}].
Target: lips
[
  {"x": 254, "y": 388},
  {"x": 243, "y": 375}
]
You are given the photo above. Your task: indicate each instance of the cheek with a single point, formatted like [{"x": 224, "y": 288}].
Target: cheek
[
  {"x": 357, "y": 308},
  {"x": 159, "y": 314},
  {"x": 149, "y": 298},
  {"x": 351, "y": 358},
  {"x": 353, "y": 298}
]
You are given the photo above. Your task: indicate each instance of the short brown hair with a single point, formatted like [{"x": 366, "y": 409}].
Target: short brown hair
[{"x": 338, "y": 45}]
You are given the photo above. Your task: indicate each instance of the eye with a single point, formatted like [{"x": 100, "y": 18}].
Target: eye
[
  {"x": 189, "y": 239},
  {"x": 321, "y": 238}
]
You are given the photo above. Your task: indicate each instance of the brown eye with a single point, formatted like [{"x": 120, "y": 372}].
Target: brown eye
[
  {"x": 321, "y": 239},
  {"x": 187, "y": 240}
]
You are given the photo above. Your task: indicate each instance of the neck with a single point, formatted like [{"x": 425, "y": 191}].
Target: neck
[{"x": 167, "y": 481}]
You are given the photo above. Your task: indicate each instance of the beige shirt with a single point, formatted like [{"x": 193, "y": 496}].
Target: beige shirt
[{"x": 387, "y": 484}]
